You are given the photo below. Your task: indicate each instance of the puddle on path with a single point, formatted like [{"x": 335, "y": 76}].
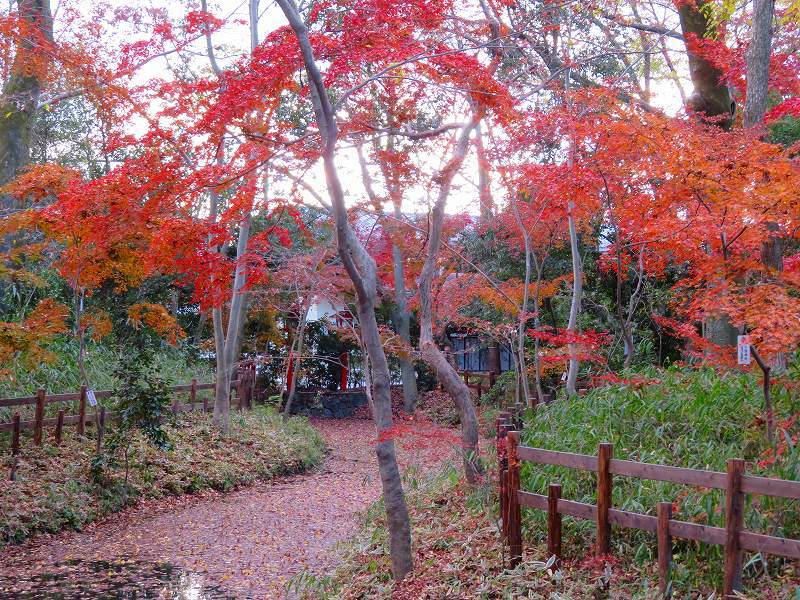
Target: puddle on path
[{"x": 126, "y": 579}]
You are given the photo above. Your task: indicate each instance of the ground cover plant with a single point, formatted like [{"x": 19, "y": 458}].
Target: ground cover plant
[
  {"x": 61, "y": 374},
  {"x": 458, "y": 566},
  {"x": 59, "y": 487},
  {"x": 568, "y": 192},
  {"x": 695, "y": 419},
  {"x": 458, "y": 548}
]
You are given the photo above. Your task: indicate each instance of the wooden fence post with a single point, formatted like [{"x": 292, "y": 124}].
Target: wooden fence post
[
  {"x": 15, "y": 434},
  {"x": 502, "y": 470},
  {"x": 604, "y": 452},
  {"x": 553, "y": 521},
  {"x": 101, "y": 428},
  {"x": 193, "y": 393},
  {"x": 176, "y": 405},
  {"x": 59, "y": 427},
  {"x": 37, "y": 426},
  {"x": 82, "y": 411},
  {"x": 734, "y": 520},
  {"x": 240, "y": 389},
  {"x": 514, "y": 510},
  {"x": 250, "y": 382},
  {"x": 664, "y": 549},
  {"x": 492, "y": 379},
  {"x": 205, "y": 403},
  {"x": 480, "y": 389},
  {"x": 14, "y": 446}
]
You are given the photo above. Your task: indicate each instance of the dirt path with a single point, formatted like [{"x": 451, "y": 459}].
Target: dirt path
[{"x": 247, "y": 543}]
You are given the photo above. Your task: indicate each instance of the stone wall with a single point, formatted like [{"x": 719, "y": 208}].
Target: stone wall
[{"x": 328, "y": 404}]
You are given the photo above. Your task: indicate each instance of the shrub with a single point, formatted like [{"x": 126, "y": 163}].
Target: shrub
[{"x": 695, "y": 419}]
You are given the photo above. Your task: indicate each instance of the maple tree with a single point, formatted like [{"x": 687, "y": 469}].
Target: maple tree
[{"x": 593, "y": 204}]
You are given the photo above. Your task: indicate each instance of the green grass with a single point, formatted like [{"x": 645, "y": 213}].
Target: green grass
[
  {"x": 55, "y": 487},
  {"x": 62, "y": 375},
  {"x": 692, "y": 419}
]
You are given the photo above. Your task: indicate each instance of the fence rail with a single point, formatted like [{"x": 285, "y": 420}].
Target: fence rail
[
  {"x": 489, "y": 376},
  {"x": 244, "y": 386},
  {"x": 735, "y": 483},
  {"x": 42, "y": 399}
]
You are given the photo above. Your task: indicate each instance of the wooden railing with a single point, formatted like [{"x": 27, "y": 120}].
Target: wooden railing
[
  {"x": 735, "y": 483},
  {"x": 489, "y": 377},
  {"x": 41, "y": 399},
  {"x": 244, "y": 387}
]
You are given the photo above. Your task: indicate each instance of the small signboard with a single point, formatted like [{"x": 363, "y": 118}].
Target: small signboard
[
  {"x": 743, "y": 347},
  {"x": 90, "y": 397}
]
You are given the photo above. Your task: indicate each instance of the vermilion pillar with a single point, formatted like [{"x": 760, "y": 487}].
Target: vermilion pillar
[{"x": 344, "y": 358}]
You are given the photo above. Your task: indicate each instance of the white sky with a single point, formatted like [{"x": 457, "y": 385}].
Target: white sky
[{"x": 233, "y": 41}]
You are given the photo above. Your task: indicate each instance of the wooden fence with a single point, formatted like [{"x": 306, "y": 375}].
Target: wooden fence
[
  {"x": 244, "y": 387},
  {"x": 487, "y": 379},
  {"x": 735, "y": 483},
  {"x": 488, "y": 376}
]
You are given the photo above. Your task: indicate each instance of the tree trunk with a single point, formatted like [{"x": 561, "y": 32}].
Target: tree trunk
[
  {"x": 81, "y": 333},
  {"x": 200, "y": 328},
  {"x": 758, "y": 55},
  {"x": 239, "y": 295},
  {"x": 365, "y": 281},
  {"x": 446, "y": 374},
  {"x": 711, "y": 97},
  {"x": 229, "y": 342},
  {"x": 523, "y": 314},
  {"x": 226, "y": 341},
  {"x": 401, "y": 317},
  {"x": 486, "y": 210},
  {"x": 19, "y": 101},
  {"x": 493, "y": 356},
  {"x": 402, "y": 320},
  {"x": 575, "y": 305},
  {"x": 484, "y": 189},
  {"x": 755, "y": 106},
  {"x": 222, "y": 399},
  {"x": 459, "y": 392},
  {"x": 298, "y": 357},
  {"x": 362, "y": 270},
  {"x": 21, "y": 93},
  {"x": 624, "y": 323},
  {"x": 537, "y": 363}
]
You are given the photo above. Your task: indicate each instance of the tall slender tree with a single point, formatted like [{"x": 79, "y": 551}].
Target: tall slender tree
[
  {"x": 362, "y": 270},
  {"x": 20, "y": 95}
]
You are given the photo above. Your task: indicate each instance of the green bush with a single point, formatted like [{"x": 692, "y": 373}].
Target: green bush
[
  {"x": 502, "y": 392},
  {"x": 172, "y": 365},
  {"x": 62, "y": 375},
  {"x": 694, "y": 419}
]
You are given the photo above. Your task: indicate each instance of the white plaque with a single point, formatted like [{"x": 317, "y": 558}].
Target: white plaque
[{"x": 743, "y": 348}]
